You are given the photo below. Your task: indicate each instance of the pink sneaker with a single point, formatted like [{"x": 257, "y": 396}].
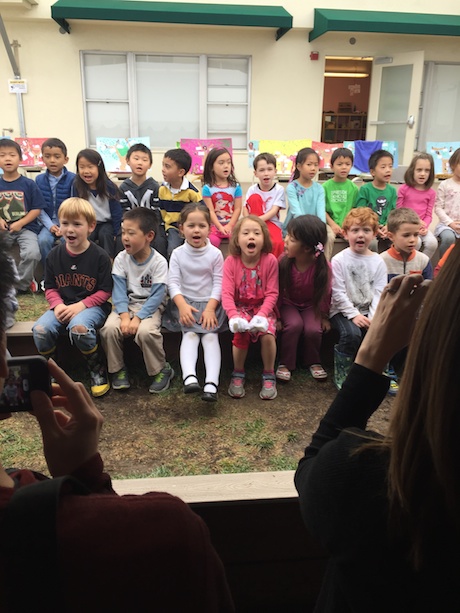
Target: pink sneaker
[
  {"x": 236, "y": 387},
  {"x": 268, "y": 391}
]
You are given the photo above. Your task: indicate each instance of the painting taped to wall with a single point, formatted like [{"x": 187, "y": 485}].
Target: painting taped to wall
[
  {"x": 285, "y": 152},
  {"x": 199, "y": 149},
  {"x": 441, "y": 153},
  {"x": 31, "y": 151},
  {"x": 113, "y": 151}
]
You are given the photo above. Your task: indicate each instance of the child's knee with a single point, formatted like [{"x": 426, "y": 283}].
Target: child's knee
[{"x": 79, "y": 330}]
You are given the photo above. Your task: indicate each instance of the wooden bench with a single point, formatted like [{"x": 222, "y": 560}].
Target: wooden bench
[{"x": 272, "y": 563}]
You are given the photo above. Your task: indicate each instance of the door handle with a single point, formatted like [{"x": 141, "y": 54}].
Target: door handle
[{"x": 410, "y": 122}]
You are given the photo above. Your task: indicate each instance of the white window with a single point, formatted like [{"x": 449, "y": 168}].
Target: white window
[
  {"x": 166, "y": 97},
  {"x": 441, "y": 104}
]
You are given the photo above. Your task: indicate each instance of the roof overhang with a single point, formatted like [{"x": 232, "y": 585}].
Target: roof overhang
[
  {"x": 338, "y": 20},
  {"x": 248, "y": 15}
]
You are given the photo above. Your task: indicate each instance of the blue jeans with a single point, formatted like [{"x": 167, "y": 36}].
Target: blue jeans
[
  {"x": 46, "y": 241},
  {"x": 350, "y": 335},
  {"x": 47, "y": 329},
  {"x": 174, "y": 240}
]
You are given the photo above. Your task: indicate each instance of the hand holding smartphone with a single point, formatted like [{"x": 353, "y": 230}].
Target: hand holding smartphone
[{"x": 25, "y": 374}]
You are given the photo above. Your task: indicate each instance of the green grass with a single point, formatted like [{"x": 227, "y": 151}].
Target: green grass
[{"x": 31, "y": 306}]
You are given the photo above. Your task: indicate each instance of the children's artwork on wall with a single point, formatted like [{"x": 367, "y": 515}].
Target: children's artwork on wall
[
  {"x": 113, "y": 151},
  {"x": 253, "y": 151},
  {"x": 285, "y": 152},
  {"x": 388, "y": 145},
  {"x": 199, "y": 149},
  {"x": 441, "y": 153},
  {"x": 325, "y": 150},
  {"x": 31, "y": 151}
]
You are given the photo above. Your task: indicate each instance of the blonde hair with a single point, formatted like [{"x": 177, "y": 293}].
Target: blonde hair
[
  {"x": 77, "y": 207},
  {"x": 361, "y": 216},
  {"x": 234, "y": 246}
]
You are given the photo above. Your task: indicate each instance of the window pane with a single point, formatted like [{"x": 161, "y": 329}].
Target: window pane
[
  {"x": 227, "y": 80},
  {"x": 106, "y": 77},
  {"x": 239, "y": 141},
  {"x": 168, "y": 98},
  {"x": 443, "y": 104},
  {"x": 223, "y": 117},
  {"x": 109, "y": 119}
]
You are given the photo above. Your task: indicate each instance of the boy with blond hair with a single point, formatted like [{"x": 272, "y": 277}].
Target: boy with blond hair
[
  {"x": 358, "y": 278},
  {"x": 78, "y": 285}
]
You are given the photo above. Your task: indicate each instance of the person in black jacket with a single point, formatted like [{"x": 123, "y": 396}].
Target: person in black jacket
[{"x": 387, "y": 508}]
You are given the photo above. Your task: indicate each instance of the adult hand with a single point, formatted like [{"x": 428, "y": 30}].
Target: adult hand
[
  {"x": 393, "y": 322},
  {"x": 68, "y": 440}
]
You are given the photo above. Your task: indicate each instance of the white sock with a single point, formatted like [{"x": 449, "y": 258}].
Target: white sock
[
  {"x": 212, "y": 359},
  {"x": 189, "y": 356}
]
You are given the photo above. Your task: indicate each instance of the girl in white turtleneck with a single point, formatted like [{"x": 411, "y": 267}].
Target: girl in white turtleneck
[{"x": 195, "y": 287}]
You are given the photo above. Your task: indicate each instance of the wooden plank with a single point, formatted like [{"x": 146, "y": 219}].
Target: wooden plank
[{"x": 216, "y": 488}]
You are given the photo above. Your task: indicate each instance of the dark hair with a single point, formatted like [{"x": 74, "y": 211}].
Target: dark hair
[
  {"x": 377, "y": 156},
  {"x": 7, "y": 279},
  {"x": 145, "y": 218},
  {"x": 139, "y": 147},
  {"x": 192, "y": 207},
  {"x": 310, "y": 231},
  {"x": 454, "y": 159},
  {"x": 209, "y": 178},
  {"x": 409, "y": 174},
  {"x": 234, "y": 246},
  {"x": 399, "y": 216},
  {"x": 104, "y": 186},
  {"x": 300, "y": 159},
  {"x": 180, "y": 157},
  {"x": 266, "y": 157},
  {"x": 341, "y": 152},
  {"x": 7, "y": 142},
  {"x": 55, "y": 142}
]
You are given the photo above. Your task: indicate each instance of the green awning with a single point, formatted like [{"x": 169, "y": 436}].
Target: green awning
[
  {"x": 332, "y": 20},
  {"x": 173, "y": 12}
]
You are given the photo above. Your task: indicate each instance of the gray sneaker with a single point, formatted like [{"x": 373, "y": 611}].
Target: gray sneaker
[
  {"x": 268, "y": 391},
  {"x": 162, "y": 380},
  {"x": 236, "y": 387},
  {"x": 120, "y": 380}
]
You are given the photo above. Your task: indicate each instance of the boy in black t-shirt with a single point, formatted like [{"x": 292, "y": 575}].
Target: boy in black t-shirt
[{"x": 78, "y": 284}]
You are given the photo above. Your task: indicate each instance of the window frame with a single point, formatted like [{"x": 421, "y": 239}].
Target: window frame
[{"x": 204, "y": 104}]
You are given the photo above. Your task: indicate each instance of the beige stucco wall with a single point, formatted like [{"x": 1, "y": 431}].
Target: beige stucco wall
[{"x": 286, "y": 88}]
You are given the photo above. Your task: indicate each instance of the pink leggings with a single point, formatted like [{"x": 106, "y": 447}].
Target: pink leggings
[
  {"x": 300, "y": 323},
  {"x": 216, "y": 237}
]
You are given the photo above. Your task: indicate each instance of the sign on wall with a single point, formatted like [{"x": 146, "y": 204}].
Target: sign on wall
[{"x": 31, "y": 151}]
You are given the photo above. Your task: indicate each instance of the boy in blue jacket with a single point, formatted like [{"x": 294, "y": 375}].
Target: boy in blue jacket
[{"x": 55, "y": 185}]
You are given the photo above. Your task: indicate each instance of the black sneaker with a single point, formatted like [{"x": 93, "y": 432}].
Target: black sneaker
[
  {"x": 99, "y": 382},
  {"x": 162, "y": 380}
]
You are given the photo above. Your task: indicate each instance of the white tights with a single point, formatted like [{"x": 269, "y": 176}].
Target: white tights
[{"x": 211, "y": 353}]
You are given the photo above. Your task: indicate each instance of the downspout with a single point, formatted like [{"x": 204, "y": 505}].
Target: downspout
[{"x": 17, "y": 75}]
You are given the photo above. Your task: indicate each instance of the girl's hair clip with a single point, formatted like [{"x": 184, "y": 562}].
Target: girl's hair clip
[{"x": 319, "y": 249}]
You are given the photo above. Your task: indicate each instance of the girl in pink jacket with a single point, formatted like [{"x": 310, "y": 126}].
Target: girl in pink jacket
[{"x": 249, "y": 296}]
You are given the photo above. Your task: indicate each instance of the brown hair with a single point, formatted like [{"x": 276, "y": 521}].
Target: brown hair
[
  {"x": 399, "y": 216},
  {"x": 265, "y": 157},
  {"x": 424, "y": 469},
  {"x": 454, "y": 159},
  {"x": 361, "y": 216},
  {"x": 234, "y": 246},
  {"x": 409, "y": 174}
]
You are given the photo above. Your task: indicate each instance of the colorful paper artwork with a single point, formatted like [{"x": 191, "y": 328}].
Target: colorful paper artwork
[
  {"x": 285, "y": 152},
  {"x": 113, "y": 151},
  {"x": 325, "y": 150},
  {"x": 199, "y": 149},
  {"x": 441, "y": 153},
  {"x": 31, "y": 151}
]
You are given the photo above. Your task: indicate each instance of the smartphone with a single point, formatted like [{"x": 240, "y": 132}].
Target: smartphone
[{"x": 25, "y": 374}]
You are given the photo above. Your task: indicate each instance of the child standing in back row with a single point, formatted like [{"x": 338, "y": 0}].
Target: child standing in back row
[
  {"x": 305, "y": 296},
  {"x": 93, "y": 184},
  {"x": 222, "y": 194},
  {"x": 249, "y": 296},
  {"x": 266, "y": 198},
  {"x": 447, "y": 206},
  {"x": 195, "y": 287},
  {"x": 418, "y": 195}
]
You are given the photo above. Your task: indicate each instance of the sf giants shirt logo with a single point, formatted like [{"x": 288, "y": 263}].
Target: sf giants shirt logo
[
  {"x": 146, "y": 280},
  {"x": 12, "y": 206},
  {"x": 75, "y": 280}
]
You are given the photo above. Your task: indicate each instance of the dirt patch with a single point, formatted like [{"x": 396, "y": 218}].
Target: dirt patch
[{"x": 174, "y": 434}]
